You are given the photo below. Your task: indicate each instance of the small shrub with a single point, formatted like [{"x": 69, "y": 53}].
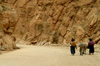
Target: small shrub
[
  {"x": 21, "y": 32},
  {"x": 1, "y": 1},
  {"x": 44, "y": 8},
  {"x": 29, "y": 21},
  {"x": 81, "y": 6},
  {"x": 76, "y": 0},
  {"x": 53, "y": 9},
  {"x": 94, "y": 1},
  {"x": 63, "y": 23},
  {"x": 55, "y": 38},
  {"x": 59, "y": 33},
  {"x": 50, "y": 32},
  {"x": 48, "y": 25},
  {"x": 4, "y": 8},
  {"x": 1, "y": 30},
  {"x": 68, "y": 30},
  {"x": 40, "y": 26}
]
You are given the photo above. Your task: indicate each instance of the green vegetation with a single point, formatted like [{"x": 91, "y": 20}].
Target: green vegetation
[
  {"x": 63, "y": 23},
  {"x": 94, "y": 1},
  {"x": 47, "y": 26},
  {"x": 81, "y": 6},
  {"x": 68, "y": 30},
  {"x": 0, "y": 1},
  {"x": 1, "y": 29},
  {"x": 50, "y": 33},
  {"x": 55, "y": 38},
  {"x": 53, "y": 9},
  {"x": 59, "y": 33},
  {"x": 21, "y": 32},
  {"x": 29, "y": 21},
  {"x": 4, "y": 8},
  {"x": 44, "y": 7},
  {"x": 40, "y": 26},
  {"x": 76, "y": 0}
]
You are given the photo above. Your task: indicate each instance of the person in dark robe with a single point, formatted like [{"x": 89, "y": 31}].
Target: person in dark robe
[
  {"x": 91, "y": 46},
  {"x": 73, "y": 46}
]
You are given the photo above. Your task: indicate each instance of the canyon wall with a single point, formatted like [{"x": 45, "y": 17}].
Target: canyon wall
[{"x": 53, "y": 21}]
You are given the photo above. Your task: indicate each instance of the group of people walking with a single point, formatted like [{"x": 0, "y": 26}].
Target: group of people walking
[{"x": 82, "y": 46}]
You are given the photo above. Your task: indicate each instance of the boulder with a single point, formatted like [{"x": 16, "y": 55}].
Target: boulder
[
  {"x": 80, "y": 33},
  {"x": 8, "y": 40}
]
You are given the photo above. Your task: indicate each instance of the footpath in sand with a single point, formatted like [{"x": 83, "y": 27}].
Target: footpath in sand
[{"x": 47, "y": 56}]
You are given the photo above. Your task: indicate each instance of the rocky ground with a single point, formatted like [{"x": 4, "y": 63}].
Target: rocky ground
[{"x": 47, "y": 56}]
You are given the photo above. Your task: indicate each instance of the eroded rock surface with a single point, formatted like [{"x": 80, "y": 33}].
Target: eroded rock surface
[{"x": 54, "y": 21}]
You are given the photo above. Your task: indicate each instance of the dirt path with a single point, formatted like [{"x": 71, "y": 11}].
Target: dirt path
[{"x": 47, "y": 56}]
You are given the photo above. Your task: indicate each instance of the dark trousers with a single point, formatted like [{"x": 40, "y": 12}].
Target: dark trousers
[
  {"x": 91, "y": 49},
  {"x": 72, "y": 49}
]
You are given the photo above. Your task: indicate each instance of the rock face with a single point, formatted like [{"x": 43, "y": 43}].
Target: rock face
[
  {"x": 54, "y": 21},
  {"x": 7, "y": 26}
]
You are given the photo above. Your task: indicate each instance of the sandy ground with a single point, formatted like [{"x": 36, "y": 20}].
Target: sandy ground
[{"x": 47, "y": 56}]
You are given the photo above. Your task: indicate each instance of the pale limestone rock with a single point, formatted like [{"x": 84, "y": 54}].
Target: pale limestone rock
[
  {"x": 43, "y": 37},
  {"x": 5, "y": 24},
  {"x": 99, "y": 42},
  {"x": 47, "y": 43},
  {"x": 93, "y": 21},
  {"x": 68, "y": 37},
  {"x": 23, "y": 2},
  {"x": 51, "y": 38},
  {"x": 10, "y": 1},
  {"x": 97, "y": 39},
  {"x": 62, "y": 1},
  {"x": 46, "y": 2},
  {"x": 8, "y": 41},
  {"x": 60, "y": 40},
  {"x": 43, "y": 42},
  {"x": 62, "y": 30},
  {"x": 1, "y": 9},
  {"x": 66, "y": 21},
  {"x": 80, "y": 33},
  {"x": 57, "y": 26},
  {"x": 64, "y": 41},
  {"x": 98, "y": 34},
  {"x": 91, "y": 14},
  {"x": 86, "y": 1}
]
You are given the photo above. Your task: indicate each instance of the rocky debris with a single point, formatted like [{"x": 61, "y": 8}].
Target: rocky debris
[{"x": 97, "y": 48}]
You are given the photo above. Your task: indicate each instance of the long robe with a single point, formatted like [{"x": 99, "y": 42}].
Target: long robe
[
  {"x": 72, "y": 49},
  {"x": 91, "y": 46}
]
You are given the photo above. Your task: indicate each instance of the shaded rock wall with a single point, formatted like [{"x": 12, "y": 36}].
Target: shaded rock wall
[
  {"x": 8, "y": 20},
  {"x": 57, "y": 21}
]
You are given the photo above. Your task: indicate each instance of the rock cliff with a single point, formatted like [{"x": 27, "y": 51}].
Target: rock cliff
[{"x": 54, "y": 21}]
